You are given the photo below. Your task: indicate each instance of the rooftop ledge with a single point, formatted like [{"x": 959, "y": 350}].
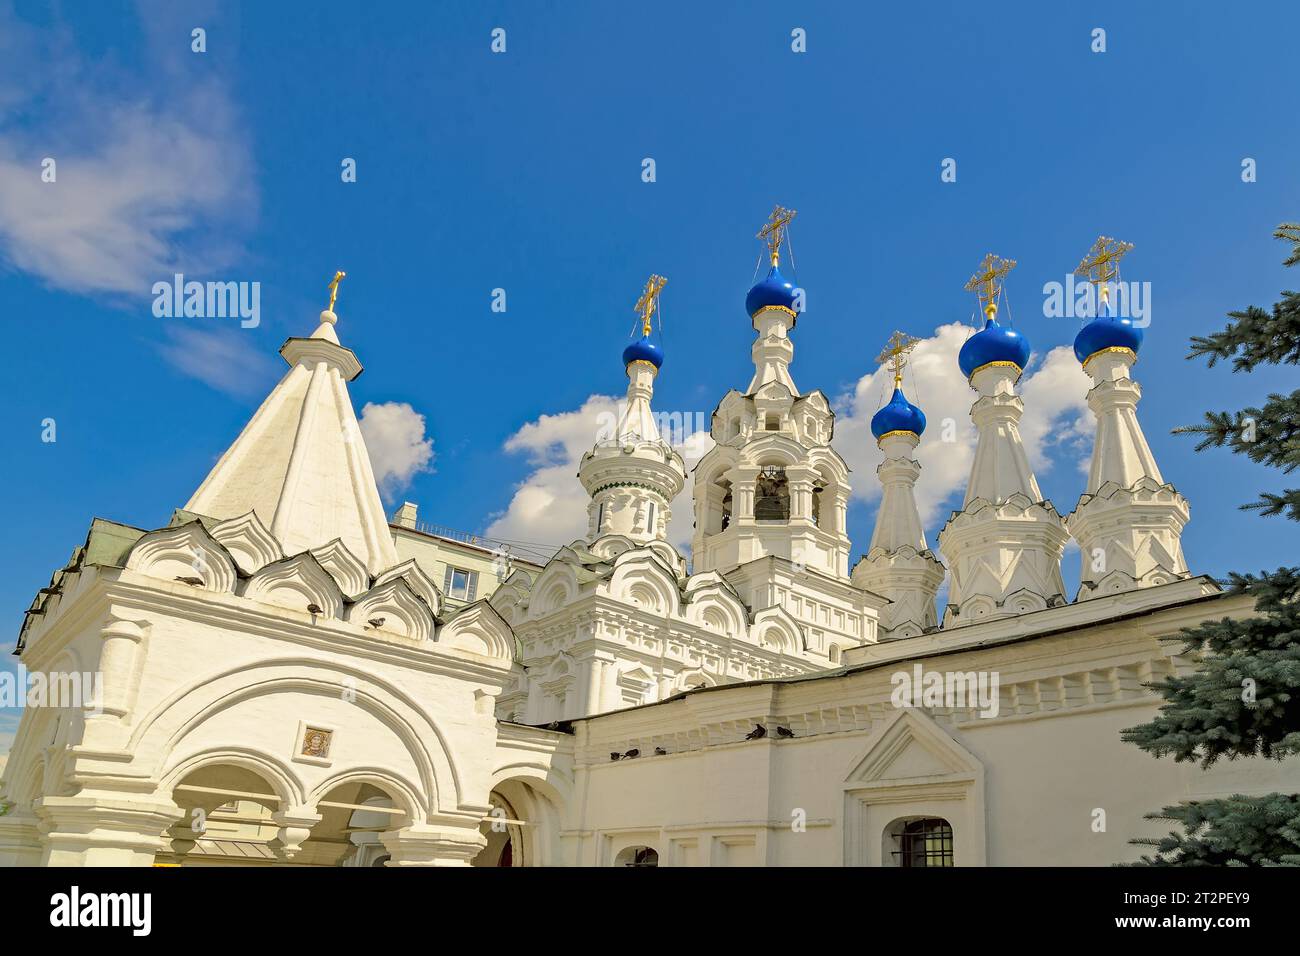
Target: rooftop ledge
[
  {"x": 998, "y": 630},
  {"x": 1111, "y": 608}
]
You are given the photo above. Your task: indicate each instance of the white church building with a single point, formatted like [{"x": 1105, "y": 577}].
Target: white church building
[{"x": 285, "y": 679}]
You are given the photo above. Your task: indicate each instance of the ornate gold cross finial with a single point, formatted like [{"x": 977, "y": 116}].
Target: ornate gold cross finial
[
  {"x": 645, "y": 306},
  {"x": 987, "y": 283},
  {"x": 334, "y": 288},
  {"x": 896, "y": 352},
  {"x": 1101, "y": 264},
  {"x": 773, "y": 231}
]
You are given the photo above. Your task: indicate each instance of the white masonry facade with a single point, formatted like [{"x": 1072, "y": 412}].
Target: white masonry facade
[{"x": 280, "y": 687}]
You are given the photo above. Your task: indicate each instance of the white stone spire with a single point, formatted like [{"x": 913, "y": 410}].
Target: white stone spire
[
  {"x": 301, "y": 464},
  {"x": 1004, "y": 547},
  {"x": 900, "y": 565},
  {"x": 1129, "y": 521}
]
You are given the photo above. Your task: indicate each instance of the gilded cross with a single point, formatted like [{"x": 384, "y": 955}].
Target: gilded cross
[
  {"x": 896, "y": 352},
  {"x": 645, "y": 306},
  {"x": 987, "y": 283},
  {"x": 334, "y": 287},
  {"x": 773, "y": 231},
  {"x": 1101, "y": 264}
]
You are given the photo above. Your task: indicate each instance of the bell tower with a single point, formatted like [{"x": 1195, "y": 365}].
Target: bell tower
[
  {"x": 772, "y": 486},
  {"x": 632, "y": 474}
]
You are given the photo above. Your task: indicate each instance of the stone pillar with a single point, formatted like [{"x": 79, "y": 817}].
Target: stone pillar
[
  {"x": 800, "y": 481},
  {"x": 295, "y": 828},
  {"x": 534, "y": 705},
  {"x": 20, "y": 838},
  {"x": 595, "y": 679},
  {"x": 99, "y": 829},
  {"x": 611, "y": 695},
  {"x": 448, "y": 843},
  {"x": 742, "y": 493}
]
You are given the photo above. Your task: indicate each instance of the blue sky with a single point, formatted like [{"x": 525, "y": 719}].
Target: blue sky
[{"x": 522, "y": 171}]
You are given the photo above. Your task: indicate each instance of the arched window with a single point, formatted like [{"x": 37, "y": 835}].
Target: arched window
[
  {"x": 637, "y": 856},
  {"x": 717, "y": 516},
  {"x": 834, "y": 653},
  {"x": 771, "y": 495},
  {"x": 926, "y": 841}
]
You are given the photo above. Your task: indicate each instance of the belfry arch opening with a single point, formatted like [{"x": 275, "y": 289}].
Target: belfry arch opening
[
  {"x": 717, "y": 506},
  {"x": 823, "y": 503},
  {"x": 772, "y": 494}
]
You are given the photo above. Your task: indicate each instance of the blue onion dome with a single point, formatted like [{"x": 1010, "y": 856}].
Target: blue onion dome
[
  {"x": 993, "y": 343},
  {"x": 1106, "y": 332},
  {"x": 898, "y": 415},
  {"x": 773, "y": 292},
  {"x": 643, "y": 350}
]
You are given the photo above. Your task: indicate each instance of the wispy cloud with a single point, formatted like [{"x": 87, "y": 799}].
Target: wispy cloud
[
  {"x": 225, "y": 359},
  {"x": 151, "y": 170}
]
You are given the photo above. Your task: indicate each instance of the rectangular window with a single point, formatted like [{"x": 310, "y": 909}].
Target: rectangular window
[
  {"x": 650, "y": 518},
  {"x": 460, "y": 584}
]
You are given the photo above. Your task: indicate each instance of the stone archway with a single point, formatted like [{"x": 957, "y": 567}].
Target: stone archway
[
  {"x": 522, "y": 827},
  {"x": 231, "y": 813}
]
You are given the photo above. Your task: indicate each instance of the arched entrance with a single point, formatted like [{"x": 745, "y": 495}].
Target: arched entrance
[
  {"x": 522, "y": 825},
  {"x": 228, "y": 818},
  {"x": 234, "y": 815},
  {"x": 503, "y": 830}
]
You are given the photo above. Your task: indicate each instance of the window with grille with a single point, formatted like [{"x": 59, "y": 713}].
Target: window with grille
[
  {"x": 924, "y": 843},
  {"x": 638, "y": 856}
]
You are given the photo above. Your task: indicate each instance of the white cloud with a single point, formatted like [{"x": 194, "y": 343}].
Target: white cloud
[
  {"x": 550, "y": 506},
  {"x": 1056, "y": 419},
  {"x": 127, "y": 209},
  {"x": 225, "y": 359},
  {"x": 1058, "y": 422},
  {"x": 394, "y": 437},
  {"x": 152, "y": 170}
]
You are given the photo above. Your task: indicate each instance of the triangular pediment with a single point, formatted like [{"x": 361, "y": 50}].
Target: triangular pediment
[{"x": 912, "y": 747}]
